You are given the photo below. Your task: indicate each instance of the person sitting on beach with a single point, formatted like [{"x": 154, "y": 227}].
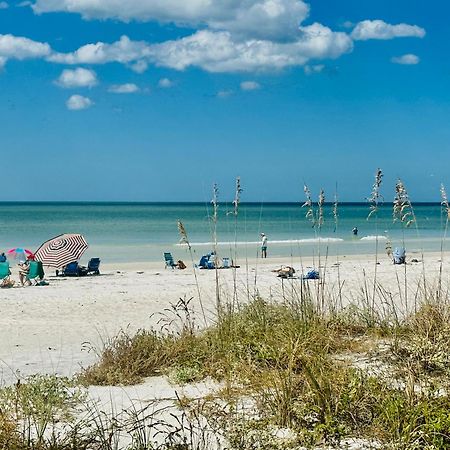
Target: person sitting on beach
[
  {"x": 2, "y": 257},
  {"x": 24, "y": 269}
]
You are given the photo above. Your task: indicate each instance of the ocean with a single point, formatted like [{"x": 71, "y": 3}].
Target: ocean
[{"x": 119, "y": 232}]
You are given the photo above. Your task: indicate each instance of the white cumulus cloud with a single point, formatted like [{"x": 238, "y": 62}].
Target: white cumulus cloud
[
  {"x": 408, "y": 59},
  {"x": 4, "y": 5},
  {"x": 219, "y": 52},
  {"x": 127, "y": 88},
  {"x": 122, "y": 51},
  {"x": 78, "y": 102},
  {"x": 272, "y": 19},
  {"x": 76, "y": 78},
  {"x": 165, "y": 83},
  {"x": 250, "y": 86},
  {"x": 216, "y": 51},
  {"x": 314, "y": 68},
  {"x": 225, "y": 93},
  {"x": 14, "y": 47},
  {"x": 378, "y": 29}
]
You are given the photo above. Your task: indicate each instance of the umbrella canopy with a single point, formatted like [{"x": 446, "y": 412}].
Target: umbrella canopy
[
  {"x": 20, "y": 254},
  {"x": 61, "y": 250}
]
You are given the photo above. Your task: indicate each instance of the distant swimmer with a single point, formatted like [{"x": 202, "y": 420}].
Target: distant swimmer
[{"x": 355, "y": 231}]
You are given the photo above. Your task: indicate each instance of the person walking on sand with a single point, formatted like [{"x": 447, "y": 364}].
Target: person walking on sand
[{"x": 263, "y": 245}]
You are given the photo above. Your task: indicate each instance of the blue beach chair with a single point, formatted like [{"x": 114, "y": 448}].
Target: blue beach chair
[
  {"x": 168, "y": 258},
  {"x": 93, "y": 267},
  {"x": 71, "y": 270},
  {"x": 399, "y": 255},
  {"x": 203, "y": 261}
]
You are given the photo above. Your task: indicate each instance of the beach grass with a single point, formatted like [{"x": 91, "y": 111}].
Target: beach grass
[
  {"x": 300, "y": 371},
  {"x": 285, "y": 370}
]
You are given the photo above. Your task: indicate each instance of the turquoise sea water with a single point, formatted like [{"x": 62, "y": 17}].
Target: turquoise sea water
[{"x": 143, "y": 231}]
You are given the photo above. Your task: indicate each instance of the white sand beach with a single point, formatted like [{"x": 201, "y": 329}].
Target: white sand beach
[{"x": 52, "y": 329}]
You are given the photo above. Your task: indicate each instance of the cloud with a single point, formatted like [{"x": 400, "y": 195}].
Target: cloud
[
  {"x": 165, "y": 83},
  {"x": 250, "y": 86},
  {"x": 13, "y": 47},
  {"x": 76, "y": 78},
  {"x": 122, "y": 51},
  {"x": 78, "y": 102},
  {"x": 274, "y": 19},
  {"x": 219, "y": 52},
  {"x": 262, "y": 19},
  {"x": 408, "y": 59},
  {"x": 127, "y": 88},
  {"x": 139, "y": 66},
  {"x": 378, "y": 29},
  {"x": 225, "y": 93},
  {"x": 312, "y": 69},
  {"x": 4, "y": 5},
  {"x": 216, "y": 51}
]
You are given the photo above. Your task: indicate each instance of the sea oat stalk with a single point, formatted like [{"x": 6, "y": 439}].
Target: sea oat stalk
[
  {"x": 375, "y": 196},
  {"x": 184, "y": 239},
  {"x": 309, "y": 205},
  {"x": 446, "y": 212},
  {"x": 402, "y": 208},
  {"x": 215, "y": 204},
  {"x": 320, "y": 204},
  {"x": 374, "y": 200}
]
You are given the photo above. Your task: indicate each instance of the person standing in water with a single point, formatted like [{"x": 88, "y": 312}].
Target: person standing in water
[
  {"x": 263, "y": 245},
  {"x": 355, "y": 231}
]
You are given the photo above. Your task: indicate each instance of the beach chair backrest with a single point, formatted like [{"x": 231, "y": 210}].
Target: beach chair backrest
[
  {"x": 33, "y": 271},
  {"x": 399, "y": 255},
  {"x": 4, "y": 270},
  {"x": 226, "y": 263},
  {"x": 203, "y": 261},
  {"x": 71, "y": 268},
  {"x": 94, "y": 264},
  {"x": 168, "y": 258}
]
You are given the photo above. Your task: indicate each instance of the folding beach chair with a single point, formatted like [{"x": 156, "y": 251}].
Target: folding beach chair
[
  {"x": 399, "y": 255},
  {"x": 71, "y": 270},
  {"x": 168, "y": 258},
  {"x": 4, "y": 275},
  {"x": 92, "y": 267},
  {"x": 35, "y": 272}
]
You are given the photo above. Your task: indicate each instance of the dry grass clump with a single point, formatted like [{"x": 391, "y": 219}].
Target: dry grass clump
[
  {"x": 281, "y": 358},
  {"x": 245, "y": 339},
  {"x": 423, "y": 346},
  {"x": 37, "y": 413}
]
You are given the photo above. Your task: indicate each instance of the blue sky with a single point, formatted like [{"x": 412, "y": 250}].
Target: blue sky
[{"x": 155, "y": 100}]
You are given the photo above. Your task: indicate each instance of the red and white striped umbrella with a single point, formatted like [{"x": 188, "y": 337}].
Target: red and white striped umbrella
[{"x": 61, "y": 250}]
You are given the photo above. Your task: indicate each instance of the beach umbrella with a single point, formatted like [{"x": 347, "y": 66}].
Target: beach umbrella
[
  {"x": 21, "y": 254},
  {"x": 61, "y": 250}
]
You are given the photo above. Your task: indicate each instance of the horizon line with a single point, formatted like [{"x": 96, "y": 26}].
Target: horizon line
[{"x": 193, "y": 202}]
